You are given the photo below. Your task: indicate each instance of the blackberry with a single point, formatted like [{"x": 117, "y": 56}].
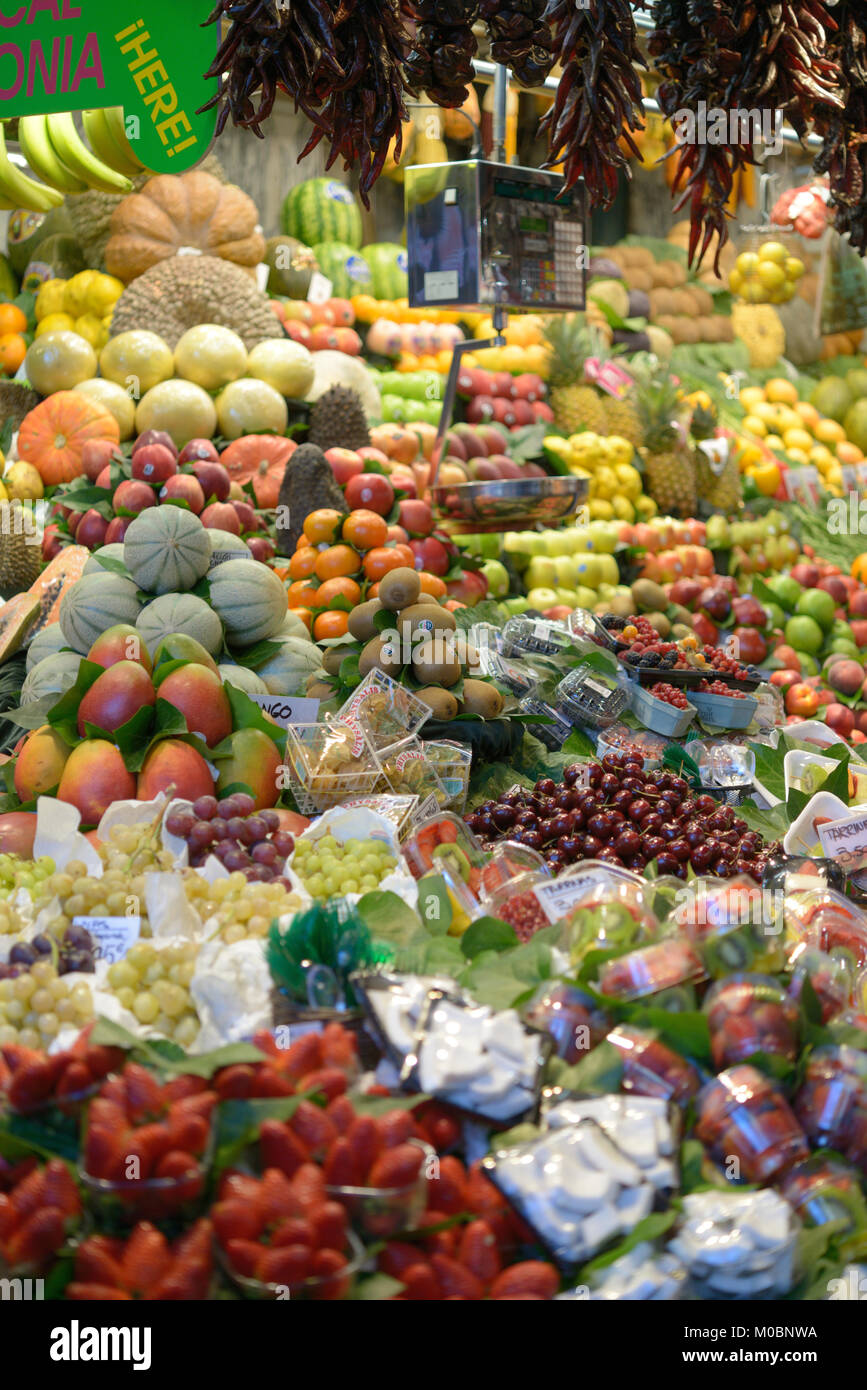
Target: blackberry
[
  {"x": 633, "y": 658},
  {"x": 612, "y": 621},
  {"x": 669, "y": 660},
  {"x": 651, "y": 659}
]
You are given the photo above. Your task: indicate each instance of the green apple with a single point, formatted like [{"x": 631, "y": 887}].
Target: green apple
[
  {"x": 498, "y": 578},
  {"x": 808, "y": 663},
  {"x": 604, "y": 537},
  {"x": 610, "y": 572},
  {"x": 718, "y": 533},
  {"x": 541, "y": 572},
  {"x": 542, "y": 598},
  {"x": 516, "y": 605},
  {"x": 847, "y": 648},
  {"x": 584, "y": 597},
  {"x": 588, "y": 569},
  {"x": 570, "y": 597},
  {"x": 565, "y": 567},
  {"x": 776, "y": 616}
]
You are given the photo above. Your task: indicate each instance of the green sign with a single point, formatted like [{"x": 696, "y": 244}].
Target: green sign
[{"x": 148, "y": 57}]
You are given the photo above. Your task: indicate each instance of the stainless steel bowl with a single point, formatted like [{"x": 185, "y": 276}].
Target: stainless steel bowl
[{"x": 513, "y": 504}]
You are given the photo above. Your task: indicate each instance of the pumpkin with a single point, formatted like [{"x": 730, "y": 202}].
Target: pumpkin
[
  {"x": 166, "y": 550},
  {"x": 171, "y": 211},
  {"x": 242, "y": 678},
  {"x": 48, "y": 642},
  {"x": 50, "y": 676},
  {"x": 259, "y": 459},
  {"x": 287, "y": 671},
  {"x": 249, "y": 598},
  {"x": 96, "y": 602},
  {"x": 53, "y": 434},
  {"x": 180, "y": 613}
]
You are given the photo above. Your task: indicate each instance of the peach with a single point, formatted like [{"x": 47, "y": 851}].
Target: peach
[
  {"x": 40, "y": 763},
  {"x": 255, "y": 761},
  {"x": 94, "y": 776},
  {"x": 840, "y": 719},
  {"x": 174, "y": 767},
  {"x": 801, "y": 699},
  {"x": 201, "y": 699},
  {"x": 17, "y": 831},
  {"x": 115, "y": 697},
  {"x": 846, "y": 676},
  {"x": 120, "y": 643}
]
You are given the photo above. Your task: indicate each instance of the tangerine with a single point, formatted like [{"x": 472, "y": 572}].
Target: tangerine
[
  {"x": 12, "y": 351},
  {"x": 432, "y": 584},
  {"x": 341, "y": 587},
  {"x": 365, "y": 529},
  {"x": 303, "y": 562},
  {"x": 327, "y": 625},
  {"x": 379, "y": 561},
  {"x": 306, "y": 617},
  {"x": 322, "y": 525},
  {"x": 337, "y": 560},
  {"x": 301, "y": 594},
  {"x": 12, "y": 319}
]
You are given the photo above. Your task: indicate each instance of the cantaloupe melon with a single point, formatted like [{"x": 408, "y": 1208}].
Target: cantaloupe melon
[
  {"x": 52, "y": 675},
  {"x": 242, "y": 678},
  {"x": 166, "y": 550},
  {"x": 249, "y": 598},
  {"x": 46, "y": 643},
  {"x": 96, "y": 602},
  {"x": 180, "y": 613},
  {"x": 286, "y": 673},
  {"x": 105, "y": 552}
]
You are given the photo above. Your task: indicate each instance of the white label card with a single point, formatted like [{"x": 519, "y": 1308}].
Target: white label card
[
  {"x": 112, "y": 936},
  {"x": 320, "y": 289},
  {"x": 558, "y": 898},
  {"x": 846, "y": 840},
  {"x": 441, "y": 284},
  {"x": 288, "y": 709}
]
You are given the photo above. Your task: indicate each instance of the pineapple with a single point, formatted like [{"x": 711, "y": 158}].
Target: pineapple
[
  {"x": 622, "y": 417},
  {"x": 669, "y": 465},
  {"x": 576, "y": 405},
  {"x": 719, "y": 488}
]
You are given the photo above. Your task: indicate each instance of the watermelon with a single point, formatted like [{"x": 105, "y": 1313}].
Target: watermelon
[
  {"x": 346, "y": 268},
  {"x": 322, "y": 210},
  {"x": 388, "y": 267}
]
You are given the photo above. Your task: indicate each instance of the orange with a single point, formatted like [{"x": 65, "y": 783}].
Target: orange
[
  {"x": 322, "y": 525},
  {"x": 373, "y": 591},
  {"x": 453, "y": 605},
  {"x": 303, "y": 562},
  {"x": 379, "y": 561},
  {"x": 305, "y": 615},
  {"x": 302, "y": 543},
  {"x": 302, "y": 595},
  {"x": 12, "y": 350},
  {"x": 432, "y": 584},
  {"x": 330, "y": 625},
  {"x": 849, "y": 453},
  {"x": 829, "y": 432},
  {"x": 365, "y": 529},
  {"x": 12, "y": 319},
  {"x": 340, "y": 587},
  {"x": 337, "y": 560}
]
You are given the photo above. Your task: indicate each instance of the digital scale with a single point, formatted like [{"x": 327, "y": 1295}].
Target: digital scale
[{"x": 480, "y": 233}]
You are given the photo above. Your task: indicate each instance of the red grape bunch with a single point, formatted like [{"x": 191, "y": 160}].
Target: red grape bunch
[{"x": 241, "y": 837}]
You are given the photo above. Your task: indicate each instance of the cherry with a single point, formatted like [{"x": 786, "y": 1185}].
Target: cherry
[
  {"x": 514, "y": 798},
  {"x": 652, "y": 845},
  {"x": 570, "y": 847},
  {"x": 608, "y": 856},
  {"x": 701, "y": 857},
  {"x": 704, "y": 805},
  {"x": 609, "y": 784},
  {"x": 670, "y": 830},
  {"x": 560, "y": 826},
  {"x": 533, "y": 839},
  {"x": 631, "y": 784},
  {"x": 546, "y": 786},
  {"x": 667, "y": 863},
  {"x": 555, "y": 859},
  {"x": 638, "y": 809},
  {"x": 680, "y": 849},
  {"x": 568, "y": 800},
  {"x": 504, "y": 817},
  {"x": 527, "y": 820},
  {"x": 628, "y": 843},
  {"x": 573, "y": 773},
  {"x": 592, "y": 846},
  {"x": 694, "y": 836},
  {"x": 546, "y": 831},
  {"x": 650, "y": 824}
]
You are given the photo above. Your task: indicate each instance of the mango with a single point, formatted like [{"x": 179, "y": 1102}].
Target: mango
[
  {"x": 17, "y": 832},
  {"x": 120, "y": 643},
  {"x": 199, "y": 695},
  {"x": 174, "y": 767},
  {"x": 115, "y": 696},
  {"x": 177, "y": 646},
  {"x": 254, "y": 760},
  {"x": 94, "y": 776},
  {"x": 40, "y": 763}
]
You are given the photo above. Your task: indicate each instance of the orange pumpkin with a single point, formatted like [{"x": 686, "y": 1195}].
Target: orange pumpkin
[
  {"x": 259, "y": 459},
  {"x": 53, "y": 434}
]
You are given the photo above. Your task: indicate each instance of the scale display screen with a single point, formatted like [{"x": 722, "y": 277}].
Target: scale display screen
[{"x": 478, "y": 236}]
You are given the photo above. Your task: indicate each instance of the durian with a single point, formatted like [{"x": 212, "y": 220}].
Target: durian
[
  {"x": 338, "y": 421},
  {"x": 307, "y": 485},
  {"x": 20, "y": 549}
]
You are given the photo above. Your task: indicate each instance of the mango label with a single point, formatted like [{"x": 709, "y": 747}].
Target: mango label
[{"x": 286, "y": 709}]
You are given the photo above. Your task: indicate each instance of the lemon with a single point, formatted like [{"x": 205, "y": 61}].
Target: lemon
[
  {"x": 49, "y": 300},
  {"x": 765, "y": 410},
  {"x": 76, "y": 292},
  {"x": 736, "y": 281},
  {"x": 618, "y": 450},
  {"x": 798, "y": 439},
  {"x": 774, "y": 441},
  {"x": 105, "y": 291},
  {"x": 89, "y": 327},
  {"x": 829, "y": 432},
  {"x": 623, "y": 509},
  {"x": 749, "y": 455},
  {"x": 754, "y": 424},
  {"x": 629, "y": 479},
  {"x": 798, "y": 456},
  {"x": 772, "y": 276},
  {"x": 23, "y": 481},
  {"x": 773, "y": 251},
  {"x": 754, "y": 292},
  {"x": 781, "y": 390},
  {"x": 747, "y": 263},
  {"x": 820, "y": 454},
  {"x": 55, "y": 323},
  {"x": 600, "y": 510},
  {"x": 751, "y": 396},
  {"x": 645, "y": 507},
  {"x": 794, "y": 268},
  {"x": 606, "y": 482}
]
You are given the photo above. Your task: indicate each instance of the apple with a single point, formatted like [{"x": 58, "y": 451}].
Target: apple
[
  {"x": 213, "y": 477},
  {"x": 156, "y": 437},
  {"x": 839, "y": 718},
  {"x": 705, "y": 630},
  {"x": 246, "y": 516},
  {"x": 51, "y": 542},
  {"x": 686, "y": 592},
  {"x": 196, "y": 449},
  {"x": 455, "y": 447},
  {"x": 784, "y": 678},
  {"x": 117, "y": 529},
  {"x": 787, "y": 657},
  {"x": 431, "y": 555},
  {"x": 371, "y": 491},
  {"x": 368, "y": 452},
  {"x": 184, "y": 487},
  {"x": 716, "y": 603},
  {"x": 398, "y": 534},
  {"x": 452, "y": 472},
  {"x": 801, "y": 699},
  {"x": 262, "y": 548},
  {"x": 473, "y": 442},
  {"x": 498, "y": 579},
  {"x": 484, "y": 470},
  {"x": 132, "y": 495},
  {"x": 752, "y": 647},
  {"x": 559, "y": 613},
  {"x": 299, "y": 332},
  {"x": 859, "y": 632},
  {"x": 858, "y": 604},
  {"x": 508, "y": 467},
  {"x": 833, "y": 585},
  {"x": 415, "y": 516},
  {"x": 91, "y": 529},
  {"x": 471, "y": 588},
  {"x": 222, "y": 516},
  {"x": 154, "y": 463},
  {"x": 496, "y": 440},
  {"x": 345, "y": 464},
  {"x": 97, "y": 454},
  {"x": 104, "y": 479},
  {"x": 748, "y": 611},
  {"x": 403, "y": 479}
]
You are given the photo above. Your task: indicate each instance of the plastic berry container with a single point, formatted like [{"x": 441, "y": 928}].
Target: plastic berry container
[
  {"x": 384, "y": 710},
  {"x": 516, "y": 902},
  {"x": 408, "y": 770},
  {"x": 452, "y": 763},
  {"x": 328, "y": 764},
  {"x": 664, "y": 965},
  {"x": 326, "y": 1287},
  {"x": 832, "y": 1101},
  {"x": 659, "y": 716},
  {"x": 574, "y": 1020},
  {"x": 648, "y": 748},
  {"x": 516, "y": 676},
  {"x": 744, "y": 1116},
  {"x": 378, "y": 1213},
  {"x": 556, "y": 729},
  {"x": 508, "y": 861},
  {"x": 830, "y": 978},
  {"x": 610, "y": 906},
  {"x": 825, "y": 1189},
  {"x": 829, "y": 921},
  {"x": 119, "y": 1203},
  {"x": 444, "y": 840},
  {"x": 535, "y": 637},
  {"x": 724, "y": 711},
  {"x": 591, "y": 698},
  {"x": 650, "y": 1068},
  {"x": 747, "y": 1014}
]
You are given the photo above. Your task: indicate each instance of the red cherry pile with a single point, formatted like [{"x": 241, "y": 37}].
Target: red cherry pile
[
  {"x": 670, "y": 694},
  {"x": 241, "y": 837},
  {"x": 717, "y": 658},
  {"x": 626, "y": 817},
  {"x": 720, "y": 688}
]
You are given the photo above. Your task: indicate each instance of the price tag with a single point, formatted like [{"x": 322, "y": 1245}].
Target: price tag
[
  {"x": 428, "y": 808},
  {"x": 112, "y": 936},
  {"x": 716, "y": 451},
  {"x": 558, "y": 898},
  {"x": 320, "y": 289},
  {"x": 286, "y": 709},
  {"x": 802, "y": 485},
  {"x": 849, "y": 478}
]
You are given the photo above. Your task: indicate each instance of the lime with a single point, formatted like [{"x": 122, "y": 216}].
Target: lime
[
  {"x": 844, "y": 647},
  {"x": 808, "y": 664},
  {"x": 818, "y": 605},
  {"x": 804, "y": 634},
  {"x": 787, "y": 590},
  {"x": 776, "y": 616}
]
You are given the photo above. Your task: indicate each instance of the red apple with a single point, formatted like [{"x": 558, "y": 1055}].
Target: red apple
[
  {"x": 345, "y": 464},
  {"x": 787, "y": 657},
  {"x": 704, "y": 629},
  {"x": 416, "y": 516},
  {"x": 471, "y": 588},
  {"x": 213, "y": 477},
  {"x": 398, "y": 535},
  {"x": 806, "y": 574},
  {"x": 262, "y": 548},
  {"x": 223, "y": 517},
  {"x": 752, "y": 647},
  {"x": 51, "y": 542},
  {"x": 748, "y": 611},
  {"x": 156, "y": 437},
  {"x": 858, "y": 604},
  {"x": 247, "y": 516},
  {"x": 484, "y": 470},
  {"x": 686, "y": 592},
  {"x": 132, "y": 495},
  {"x": 716, "y": 603},
  {"x": 73, "y": 521},
  {"x": 859, "y": 632},
  {"x": 371, "y": 491},
  {"x": 431, "y": 555},
  {"x": 833, "y": 585},
  {"x": 455, "y": 447},
  {"x": 508, "y": 467},
  {"x": 367, "y": 451},
  {"x": 117, "y": 529},
  {"x": 196, "y": 449},
  {"x": 184, "y": 487},
  {"x": 91, "y": 529},
  {"x": 403, "y": 479},
  {"x": 104, "y": 479},
  {"x": 785, "y": 678},
  {"x": 96, "y": 454},
  {"x": 153, "y": 463},
  {"x": 559, "y": 613}
]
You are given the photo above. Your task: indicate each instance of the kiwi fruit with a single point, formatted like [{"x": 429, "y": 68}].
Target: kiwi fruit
[
  {"x": 480, "y": 697},
  {"x": 378, "y": 655},
  {"x": 361, "y": 624},
  {"x": 436, "y": 663},
  {"x": 442, "y": 703},
  {"x": 660, "y": 624},
  {"x": 648, "y": 596},
  {"x": 680, "y": 630},
  {"x": 681, "y": 615},
  {"x": 332, "y": 660},
  {"x": 620, "y": 605},
  {"x": 424, "y": 618},
  {"x": 427, "y": 598},
  {"x": 399, "y": 589},
  {"x": 317, "y": 688}
]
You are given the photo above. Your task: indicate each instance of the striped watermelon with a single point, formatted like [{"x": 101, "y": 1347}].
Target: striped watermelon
[
  {"x": 322, "y": 210},
  {"x": 388, "y": 265},
  {"x": 345, "y": 267}
]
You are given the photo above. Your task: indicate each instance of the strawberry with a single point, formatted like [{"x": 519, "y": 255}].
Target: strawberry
[
  {"x": 272, "y": 1085},
  {"x": 148, "y": 1143},
  {"x": 327, "y": 1265},
  {"x": 444, "y": 1242},
  {"x": 381, "y": 1091},
  {"x": 195, "y": 1243},
  {"x": 395, "y": 1127},
  {"x": 37, "y": 1237},
  {"x": 96, "y": 1293},
  {"x": 187, "y": 1281},
  {"x": 143, "y": 1092},
  {"x": 276, "y": 1197},
  {"x": 234, "y": 1184},
  {"x": 184, "y": 1086},
  {"x": 96, "y": 1263},
  {"x": 303, "y": 1056},
  {"x": 235, "y": 1220},
  {"x": 329, "y": 1226},
  {"x": 103, "y": 1150},
  {"x": 447, "y": 1189},
  {"x": 397, "y": 1167},
  {"x": 481, "y": 1195},
  {"x": 11, "y": 1174},
  {"x": 443, "y": 1131},
  {"x": 287, "y": 1264},
  {"x": 31, "y": 1084},
  {"x": 397, "y": 1257},
  {"x": 364, "y": 1140},
  {"x": 280, "y": 1148},
  {"x": 330, "y": 1081},
  {"x": 76, "y": 1078},
  {"x": 339, "y": 1048},
  {"x": 201, "y": 1103},
  {"x": 146, "y": 1259},
  {"x": 235, "y": 1083},
  {"x": 188, "y": 1132},
  {"x": 477, "y": 1251},
  {"x": 531, "y": 1277},
  {"x": 243, "y": 1256},
  {"x": 313, "y": 1128},
  {"x": 114, "y": 1089},
  {"x": 308, "y": 1186},
  {"x": 177, "y": 1163},
  {"x": 29, "y": 1195},
  {"x": 421, "y": 1284},
  {"x": 16, "y": 1056},
  {"x": 8, "y": 1216},
  {"x": 101, "y": 1060},
  {"x": 60, "y": 1190},
  {"x": 454, "y": 1279},
  {"x": 106, "y": 1113},
  {"x": 294, "y": 1231},
  {"x": 267, "y": 1043},
  {"x": 340, "y": 1168},
  {"x": 341, "y": 1113}
]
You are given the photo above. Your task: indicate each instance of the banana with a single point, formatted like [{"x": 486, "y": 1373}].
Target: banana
[
  {"x": 114, "y": 121},
  {"x": 72, "y": 150},
  {"x": 22, "y": 191},
  {"x": 98, "y": 132},
  {"x": 38, "y": 151}
]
